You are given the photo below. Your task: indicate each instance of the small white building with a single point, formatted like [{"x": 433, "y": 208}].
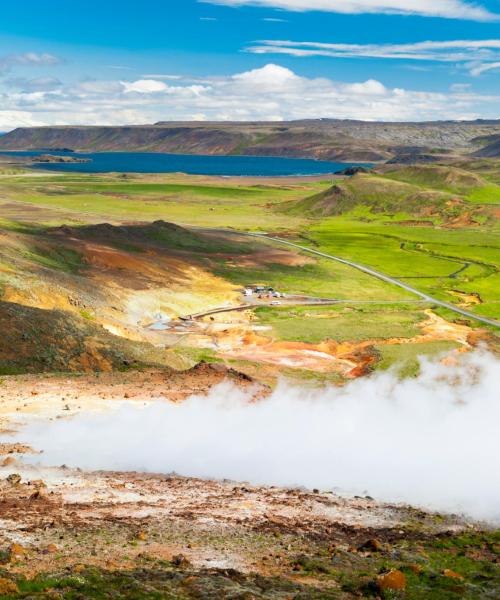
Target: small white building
[{"x": 248, "y": 292}]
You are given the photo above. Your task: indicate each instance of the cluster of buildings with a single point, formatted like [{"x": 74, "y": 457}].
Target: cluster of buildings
[{"x": 262, "y": 291}]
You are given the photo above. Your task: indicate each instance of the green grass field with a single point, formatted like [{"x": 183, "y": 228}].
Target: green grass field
[
  {"x": 485, "y": 195},
  {"x": 399, "y": 222},
  {"x": 322, "y": 278},
  {"x": 427, "y": 258},
  {"x": 171, "y": 198},
  {"x": 343, "y": 323}
]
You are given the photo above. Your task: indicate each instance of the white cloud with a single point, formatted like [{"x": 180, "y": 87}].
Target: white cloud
[
  {"x": 19, "y": 117},
  {"x": 450, "y": 9},
  {"x": 370, "y": 88},
  {"x": 119, "y": 67},
  {"x": 145, "y": 86},
  {"x": 460, "y": 87},
  {"x": 28, "y": 59},
  {"x": 482, "y": 68},
  {"x": 272, "y": 92},
  {"x": 100, "y": 87},
  {"x": 35, "y": 84},
  {"x": 32, "y": 58},
  {"x": 449, "y": 51},
  {"x": 477, "y": 56},
  {"x": 268, "y": 79},
  {"x": 162, "y": 77}
]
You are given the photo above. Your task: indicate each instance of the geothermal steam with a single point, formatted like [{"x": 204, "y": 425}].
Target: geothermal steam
[{"x": 433, "y": 440}]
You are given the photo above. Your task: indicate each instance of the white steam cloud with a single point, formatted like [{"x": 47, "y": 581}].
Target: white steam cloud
[{"x": 431, "y": 441}]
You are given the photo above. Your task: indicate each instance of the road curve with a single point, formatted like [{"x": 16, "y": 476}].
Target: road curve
[
  {"x": 378, "y": 275},
  {"x": 216, "y": 311}
]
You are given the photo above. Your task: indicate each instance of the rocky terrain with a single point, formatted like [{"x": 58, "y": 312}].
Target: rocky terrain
[
  {"x": 491, "y": 147},
  {"x": 321, "y": 139},
  {"x": 67, "y": 534},
  {"x": 83, "y": 299},
  {"x": 96, "y": 315}
]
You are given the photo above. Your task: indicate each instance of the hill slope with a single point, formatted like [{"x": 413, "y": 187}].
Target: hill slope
[
  {"x": 449, "y": 194},
  {"x": 78, "y": 298},
  {"x": 492, "y": 148},
  {"x": 321, "y": 139}
]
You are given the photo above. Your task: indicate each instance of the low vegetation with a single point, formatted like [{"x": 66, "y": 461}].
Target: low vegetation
[
  {"x": 343, "y": 323},
  {"x": 433, "y": 226},
  {"x": 89, "y": 263},
  {"x": 445, "y": 567},
  {"x": 36, "y": 340}
]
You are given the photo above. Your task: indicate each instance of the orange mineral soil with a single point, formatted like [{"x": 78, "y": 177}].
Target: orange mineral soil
[{"x": 240, "y": 337}]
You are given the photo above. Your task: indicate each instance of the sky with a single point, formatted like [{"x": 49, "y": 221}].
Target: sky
[{"x": 114, "y": 62}]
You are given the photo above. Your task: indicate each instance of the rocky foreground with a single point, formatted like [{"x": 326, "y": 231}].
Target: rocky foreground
[
  {"x": 66, "y": 533},
  {"x": 74, "y": 534}
]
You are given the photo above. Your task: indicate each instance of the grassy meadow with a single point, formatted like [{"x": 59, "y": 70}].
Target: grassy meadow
[
  {"x": 434, "y": 227},
  {"x": 115, "y": 198},
  {"x": 439, "y": 262}
]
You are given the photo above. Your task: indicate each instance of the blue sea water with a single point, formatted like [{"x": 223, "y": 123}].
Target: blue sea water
[{"x": 149, "y": 162}]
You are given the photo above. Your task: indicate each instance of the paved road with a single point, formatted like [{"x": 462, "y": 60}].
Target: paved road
[
  {"x": 381, "y": 276},
  {"x": 216, "y": 311},
  {"x": 283, "y": 303},
  {"x": 255, "y": 304}
]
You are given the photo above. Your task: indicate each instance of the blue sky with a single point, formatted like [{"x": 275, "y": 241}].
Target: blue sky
[{"x": 128, "y": 61}]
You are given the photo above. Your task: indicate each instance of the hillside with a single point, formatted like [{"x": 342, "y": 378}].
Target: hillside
[
  {"x": 37, "y": 340},
  {"x": 491, "y": 148},
  {"x": 442, "y": 177},
  {"x": 320, "y": 139},
  {"x": 77, "y": 299},
  {"x": 430, "y": 193},
  {"x": 378, "y": 195}
]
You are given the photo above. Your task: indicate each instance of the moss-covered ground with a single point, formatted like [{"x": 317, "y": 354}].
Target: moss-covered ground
[{"x": 445, "y": 567}]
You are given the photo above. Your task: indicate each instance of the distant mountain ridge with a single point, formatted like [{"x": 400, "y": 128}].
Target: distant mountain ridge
[{"x": 325, "y": 139}]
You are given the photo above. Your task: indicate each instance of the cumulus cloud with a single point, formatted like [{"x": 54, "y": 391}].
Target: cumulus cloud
[
  {"x": 271, "y": 78},
  {"x": 19, "y": 117},
  {"x": 272, "y": 92},
  {"x": 145, "y": 86},
  {"x": 450, "y": 9}
]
